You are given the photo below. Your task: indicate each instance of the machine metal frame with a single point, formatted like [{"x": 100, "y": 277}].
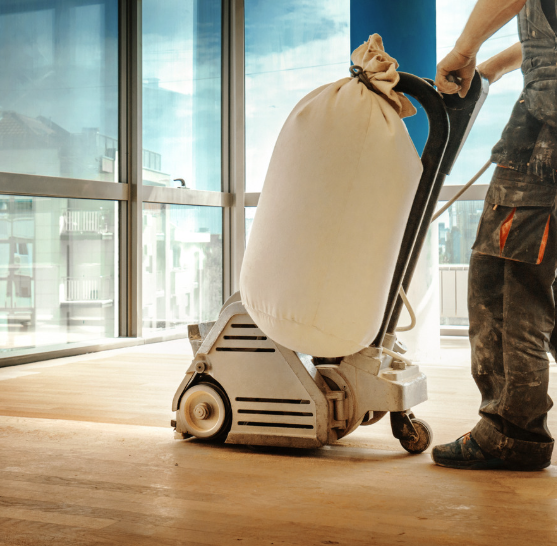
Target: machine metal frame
[{"x": 244, "y": 388}]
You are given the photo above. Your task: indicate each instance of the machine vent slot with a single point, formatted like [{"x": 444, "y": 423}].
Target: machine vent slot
[
  {"x": 270, "y": 412},
  {"x": 252, "y": 338},
  {"x": 274, "y": 425},
  {"x": 244, "y": 338},
  {"x": 246, "y": 349},
  {"x": 272, "y": 400}
]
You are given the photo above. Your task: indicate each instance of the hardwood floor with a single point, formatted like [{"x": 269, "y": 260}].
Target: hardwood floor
[{"x": 87, "y": 457}]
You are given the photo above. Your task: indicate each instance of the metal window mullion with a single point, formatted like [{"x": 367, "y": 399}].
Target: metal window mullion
[
  {"x": 251, "y": 199},
  {"x": 123, "y": 221},
  {"x": 158, "y": 194},
  {"x": 58, "y": 187},
  {"x": 134, "y": 167},
  {"x": 475, "y": 193},
  {"x": 225, "y": 151},
  {"x": 237, "y": 163},
  {"x": 123, "y": 224}
]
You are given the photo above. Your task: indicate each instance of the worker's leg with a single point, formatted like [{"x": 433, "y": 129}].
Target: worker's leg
[
  {"x": 514, "y": 383},
  {"x": 511, "y": 310},
  {"x": 485, "y": 311}
]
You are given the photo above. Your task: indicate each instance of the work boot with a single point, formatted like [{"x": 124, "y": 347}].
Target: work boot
[{"x": 465, "y": 453}]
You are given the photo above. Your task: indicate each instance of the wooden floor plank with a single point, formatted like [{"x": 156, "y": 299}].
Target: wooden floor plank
[{"x": 87, "y": 457}]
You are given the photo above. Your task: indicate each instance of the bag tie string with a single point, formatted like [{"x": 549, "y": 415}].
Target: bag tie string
[{"x": 358, "y": 73}]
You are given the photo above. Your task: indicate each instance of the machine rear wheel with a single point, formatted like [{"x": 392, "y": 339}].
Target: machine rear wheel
[
  {"x": 204, "y": 409},
  {"x": 425, "y": 436}
]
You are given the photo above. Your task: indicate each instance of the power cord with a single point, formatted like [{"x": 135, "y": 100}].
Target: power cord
[{"x": 401, "y": 292}]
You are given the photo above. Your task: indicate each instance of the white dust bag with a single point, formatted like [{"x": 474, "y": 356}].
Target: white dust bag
[{"x": 332, "y": 213}]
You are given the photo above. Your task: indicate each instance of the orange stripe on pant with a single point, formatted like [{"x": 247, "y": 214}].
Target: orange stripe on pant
[
  {"x": 544, "y": 241},
  {"x": 505, "y": 229}
]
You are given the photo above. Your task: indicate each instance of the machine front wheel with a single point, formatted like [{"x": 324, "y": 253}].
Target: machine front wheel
[
  {"x": 205, "y": 412},
  {"x": 425, "y": 437}
]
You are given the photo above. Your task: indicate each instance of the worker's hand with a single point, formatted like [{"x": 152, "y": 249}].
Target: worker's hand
[
  {"x": 497, "y": 66},
  {"x": 459, "y": 68},
  {"x": 488, "y": 71}
]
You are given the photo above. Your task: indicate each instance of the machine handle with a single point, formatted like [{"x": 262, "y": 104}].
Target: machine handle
[
  {"x": 462, "y": 114},
  {"x": 450, "y": 121},
  {"x": 432, "y": 103}
]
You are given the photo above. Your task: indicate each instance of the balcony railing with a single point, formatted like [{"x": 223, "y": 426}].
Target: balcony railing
[
  {"x": 88, "y": 288},
  {"x": 84, "y": 221},
  {"x": 453, "y": 293}
]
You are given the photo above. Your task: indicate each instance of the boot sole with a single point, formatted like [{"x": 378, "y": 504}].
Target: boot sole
[{"x": 493, "y": 464}]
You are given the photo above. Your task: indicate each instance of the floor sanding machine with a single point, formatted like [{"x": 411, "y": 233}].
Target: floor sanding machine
[{"x": 243, "y": 388}]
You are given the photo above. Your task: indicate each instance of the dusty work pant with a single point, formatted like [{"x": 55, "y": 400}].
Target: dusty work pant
[{"x": 512, "y": 317}]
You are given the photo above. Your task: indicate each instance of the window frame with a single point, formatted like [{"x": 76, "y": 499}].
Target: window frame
[{"x": 131, "y": 194}]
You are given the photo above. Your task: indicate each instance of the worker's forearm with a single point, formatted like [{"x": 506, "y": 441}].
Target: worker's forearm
[
  {"x": 487, "y": 17},
  {"x": 508, "y": 60}
]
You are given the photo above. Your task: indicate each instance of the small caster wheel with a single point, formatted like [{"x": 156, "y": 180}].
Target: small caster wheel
[{"x": 425, "y": 436}]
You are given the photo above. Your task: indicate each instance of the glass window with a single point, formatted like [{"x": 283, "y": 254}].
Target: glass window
[
  {"x": 292, "y": 47},
  {"x": 249, "y": 217},
  {"x": 58, "y": 272},
  {"x": 457, "y": 232},
  {"x": 451, "y": 18},
  {"x": 59, "y": 88},
  {"x": 182, "y": 93},
  {"x": 182, "y": 265},
  {"x": 457, "y": 226}
]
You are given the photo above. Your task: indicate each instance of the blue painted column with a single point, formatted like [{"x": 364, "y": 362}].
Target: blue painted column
[{"x": 408, "y": 31}]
